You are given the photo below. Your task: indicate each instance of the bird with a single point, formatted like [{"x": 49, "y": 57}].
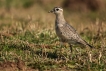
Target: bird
[{"x": 65, "y": 31}]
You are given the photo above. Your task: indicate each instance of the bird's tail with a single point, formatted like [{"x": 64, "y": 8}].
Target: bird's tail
[{"x": 88, "y": 44}]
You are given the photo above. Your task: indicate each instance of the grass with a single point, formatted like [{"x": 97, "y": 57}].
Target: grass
[
  {"x": 28, "y": 35},
  {"x": 41, "y": 50}
]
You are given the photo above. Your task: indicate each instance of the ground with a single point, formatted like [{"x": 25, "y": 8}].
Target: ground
[{"x": 28, "y": 41}]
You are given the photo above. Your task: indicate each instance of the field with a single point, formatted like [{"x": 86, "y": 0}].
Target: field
[{"x": 28, "y": 41}]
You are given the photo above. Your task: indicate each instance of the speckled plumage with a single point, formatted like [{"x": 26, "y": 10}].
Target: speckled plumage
[{"x": 65, "y": 31}]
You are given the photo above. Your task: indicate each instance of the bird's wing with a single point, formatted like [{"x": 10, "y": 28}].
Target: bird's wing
[
  {"x": 69, "y": 32},
  {"x": 70, "y": 27}
]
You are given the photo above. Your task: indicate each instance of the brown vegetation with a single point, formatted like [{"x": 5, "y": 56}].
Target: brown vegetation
[
  {"x": 93, "y": 5},
  {"x": 14, "y": 66}
]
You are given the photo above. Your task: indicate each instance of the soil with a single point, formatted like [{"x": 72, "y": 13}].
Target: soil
[{"x": 14, "y": 66}]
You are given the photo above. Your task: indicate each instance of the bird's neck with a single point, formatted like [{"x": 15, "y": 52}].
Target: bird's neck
[{"x": 60, "y": 19}]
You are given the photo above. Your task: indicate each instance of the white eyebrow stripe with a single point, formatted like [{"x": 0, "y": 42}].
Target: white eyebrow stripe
[{"x": 60, "y": 9}]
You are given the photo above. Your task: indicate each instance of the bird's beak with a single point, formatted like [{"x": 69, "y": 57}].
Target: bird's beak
[{"x": 51, "y": 11}]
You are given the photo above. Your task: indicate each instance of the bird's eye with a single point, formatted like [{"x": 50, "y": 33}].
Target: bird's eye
[{"x": 57, "y": 9}]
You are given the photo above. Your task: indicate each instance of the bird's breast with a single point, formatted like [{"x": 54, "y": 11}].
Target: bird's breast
[{"x": 59, "y": 33}]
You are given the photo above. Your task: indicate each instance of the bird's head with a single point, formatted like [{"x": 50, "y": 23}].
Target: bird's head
[{"x": 56, "y": 10}]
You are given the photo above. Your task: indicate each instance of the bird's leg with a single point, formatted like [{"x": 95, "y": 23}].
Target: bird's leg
[
  {"x": 71, "y": 48},
  {"x": 61, "y": 44},
  {"x": 71, "y": 52}
]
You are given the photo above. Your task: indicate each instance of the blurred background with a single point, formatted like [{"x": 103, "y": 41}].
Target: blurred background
[
  {"x": 78, "y": 11},
  {"x": 32, "y": 15},
  {"x": 21, "y": 14}
]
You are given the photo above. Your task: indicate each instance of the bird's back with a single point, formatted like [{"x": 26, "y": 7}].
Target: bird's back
[{"x": 67, "y": 33}]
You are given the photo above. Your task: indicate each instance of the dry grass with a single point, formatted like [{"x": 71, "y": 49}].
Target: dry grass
[{"x": 27, "y": 35}]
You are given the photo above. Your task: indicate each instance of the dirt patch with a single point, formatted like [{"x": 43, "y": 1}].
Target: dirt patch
[{"x": 14, "y": 66}]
